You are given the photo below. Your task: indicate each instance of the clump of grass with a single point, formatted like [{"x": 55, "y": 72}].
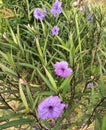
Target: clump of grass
[{"x": 28, "y": 52}]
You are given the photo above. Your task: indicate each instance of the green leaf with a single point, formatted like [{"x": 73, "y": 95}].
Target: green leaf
[
  {"x": 11, "y": 60},
  {"x": 65, "y": 85},
  {"x": 102, "y": 84},
  {"x": 52, "y": 81},
  {"x": 65, "y": 82},
  {"x": 60, "y": 40},
  {"x": 29, "y": 96},
  {"x": 49, "y": 93},
  {"x": 23, "y": 97},
  {"x": 13, "y": 36},
  {"x": 35, "y": 102},
  {"x": 46, "y": 80},
  {"x": 104, "y": 123},
  {"x": 63, "y": 47},
  {"x": 3, "y": 55},
  {"x": 39, "y": 50},
  {"x": 27, "y": 65},
  {"x": 16, "y": 123},
  {"x": 43, "y": 28},
  {"x": 7, "y": 70},
  {"x": 97, "y": 125}
]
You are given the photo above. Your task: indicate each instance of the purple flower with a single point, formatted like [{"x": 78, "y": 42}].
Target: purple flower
[
  {"x": 56, "y": 8},
  {"x": 55, "y": 30},
  {"x": 61, "y": 69},
  {"x": 82, "y": 8},
  {"x": 89, "y": 85},
  {"x": 90, "y": 18},
  {"x": 39, "y": 13},
  {"x": 36, "y": 128},
  {"x": 51, "y": 107}
]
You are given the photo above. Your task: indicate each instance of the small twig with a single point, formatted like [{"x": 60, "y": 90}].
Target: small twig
[
  {"x": 34, "y": 115},
  {"x": 6, "y": 103},
  {"x": 91, "y": 81},
  {"x": 73, "y": 83},
  {"x": 97, "y": 105}
]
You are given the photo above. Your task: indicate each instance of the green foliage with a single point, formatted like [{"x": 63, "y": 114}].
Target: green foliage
[
  {"x": 104, "y": 123},
  {"x": 28, "y": 53}
]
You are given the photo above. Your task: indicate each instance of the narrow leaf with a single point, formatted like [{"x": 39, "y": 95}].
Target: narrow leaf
[
  {"x": 52, "y": 81},
  {"x": 23, "y": 97}
]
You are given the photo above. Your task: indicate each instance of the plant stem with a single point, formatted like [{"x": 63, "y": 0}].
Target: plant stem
[
  {"x": 6, "y": 103},
  {"x": 92, "y": 114}
]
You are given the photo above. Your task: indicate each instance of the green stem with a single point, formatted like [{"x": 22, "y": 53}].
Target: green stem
[{"x": 79, "y": 43}]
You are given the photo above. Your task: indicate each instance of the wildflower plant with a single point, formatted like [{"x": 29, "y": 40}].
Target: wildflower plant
[
  {"x": 56, "y": 8},
  {"x": 51, "y": 107},
  {"x": 55, "y": 30},
  {"x": 52, "y": 65},
  {"x": 61, "y": 69},
  {"x": 39, "y": 13}
]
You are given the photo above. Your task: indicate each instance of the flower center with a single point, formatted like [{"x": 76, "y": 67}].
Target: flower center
[
  {"x": 55, "y": 30},
  {"x": 62, "y": 69},
  {"x": 39, "y": 14},
  {"x": 50, "y": 108}
]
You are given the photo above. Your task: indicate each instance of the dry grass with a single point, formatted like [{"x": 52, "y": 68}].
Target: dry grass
[{"x": 96, "y": 2}]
